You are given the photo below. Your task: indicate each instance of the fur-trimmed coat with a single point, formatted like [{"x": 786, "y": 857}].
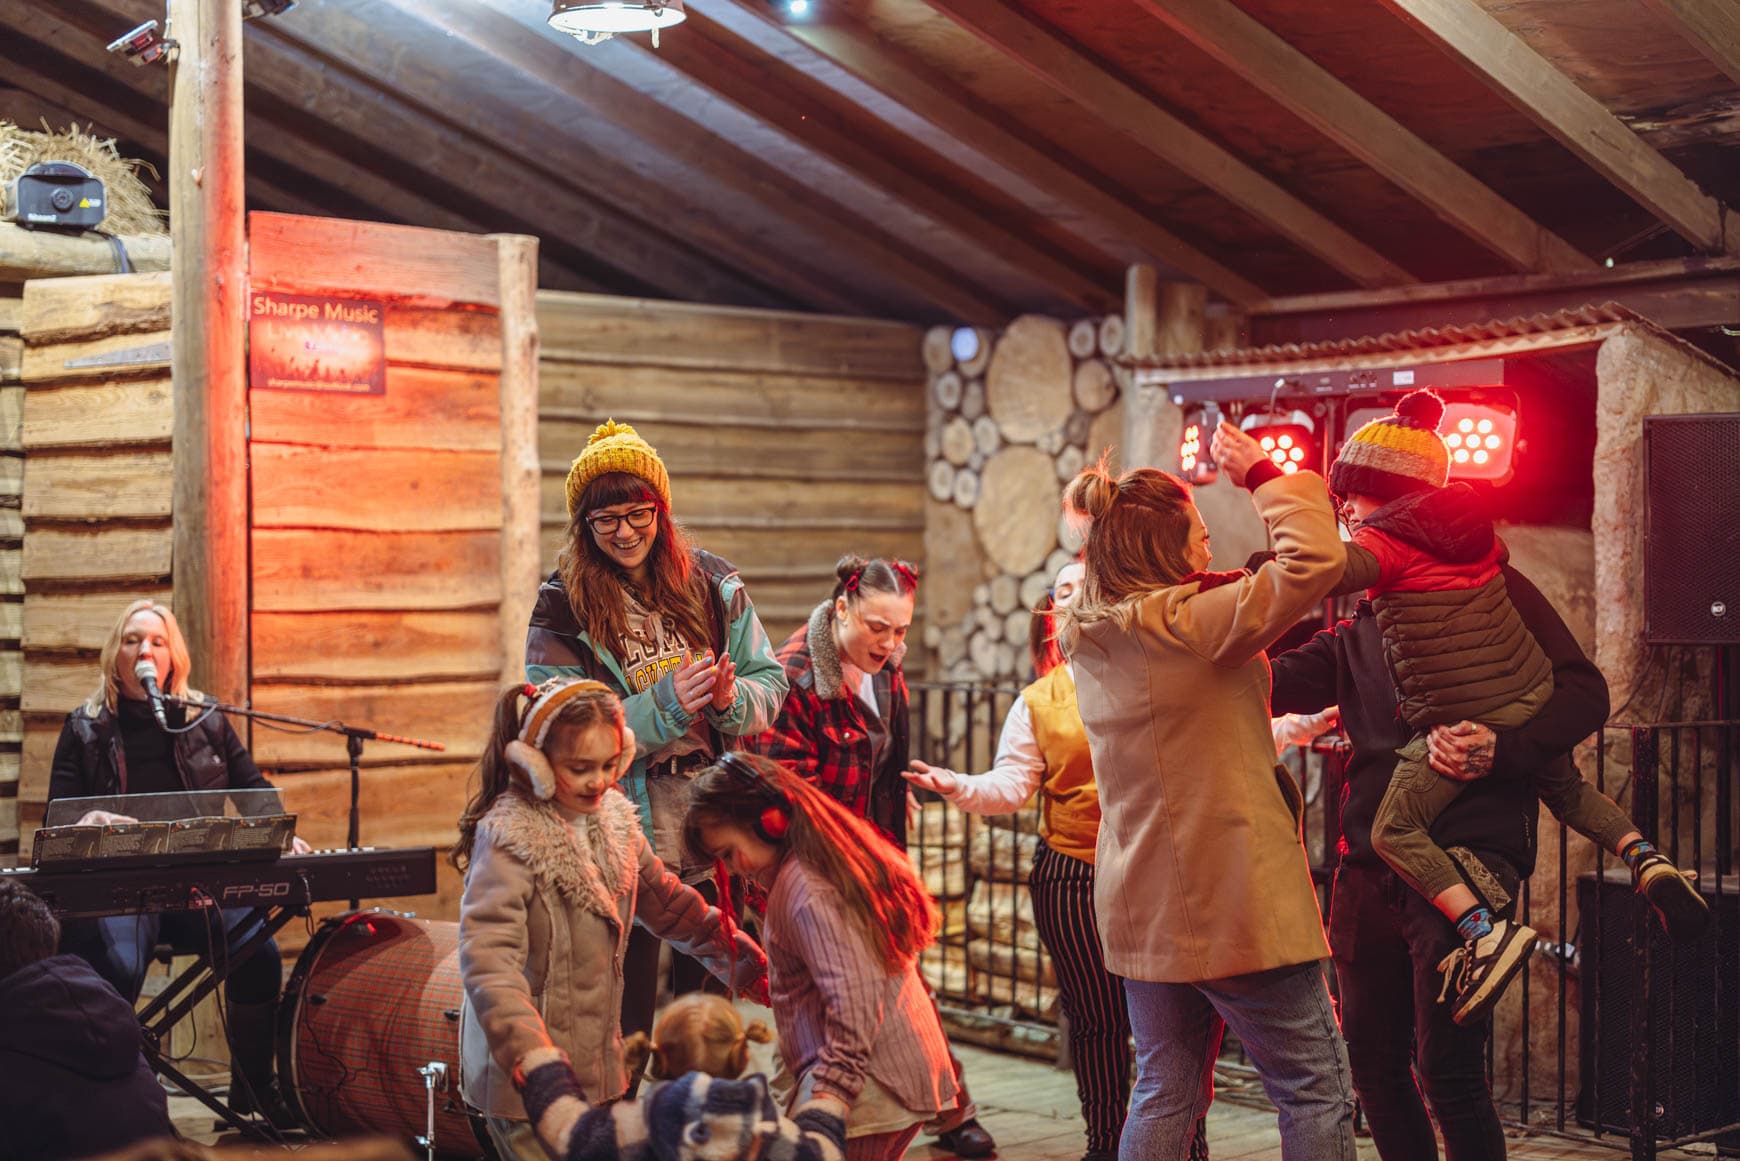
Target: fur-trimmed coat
[
  {"x": 821, "y": 732},
  {"x": 543, "y": 926}
]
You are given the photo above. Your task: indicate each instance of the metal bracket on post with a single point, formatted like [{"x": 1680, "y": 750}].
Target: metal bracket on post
[{"x": 434, "y": 1075}]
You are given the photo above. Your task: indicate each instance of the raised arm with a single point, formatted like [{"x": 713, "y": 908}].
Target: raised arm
[{"x": 1015, "y": 773}]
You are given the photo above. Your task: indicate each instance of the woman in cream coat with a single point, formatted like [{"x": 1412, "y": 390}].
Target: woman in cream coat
[{"x": 1202, "y": 892}]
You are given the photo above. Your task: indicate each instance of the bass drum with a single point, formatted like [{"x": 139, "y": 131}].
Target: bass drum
[{"x": 375, "y": 997}]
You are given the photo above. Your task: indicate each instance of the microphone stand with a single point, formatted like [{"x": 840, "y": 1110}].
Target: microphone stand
[{"x": 354, "y": 737}]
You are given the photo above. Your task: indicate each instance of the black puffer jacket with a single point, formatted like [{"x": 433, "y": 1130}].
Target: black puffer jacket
[
  {"x": 73, "y": 1081},
  {"x": 1457, "y": 649},
  {"x": 89, "y": 760}
]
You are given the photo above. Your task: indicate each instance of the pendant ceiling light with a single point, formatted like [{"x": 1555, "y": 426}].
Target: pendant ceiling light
[{"x": 594, "y": 20}]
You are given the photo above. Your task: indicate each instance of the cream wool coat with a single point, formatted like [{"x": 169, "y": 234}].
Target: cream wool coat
[
  {"x": 1201, "y": 872},
  {"x": 542, "y": 930}
]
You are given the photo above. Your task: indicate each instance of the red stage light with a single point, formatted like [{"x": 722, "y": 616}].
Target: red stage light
[
  {"x": 1289, "y": 444},
  {"x": 1194, "y": 463}
]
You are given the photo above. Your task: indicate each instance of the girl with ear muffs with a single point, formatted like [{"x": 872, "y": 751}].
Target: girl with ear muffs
[
  {"x": 846, "y": 918},
  {"x": 557, "y": 870}
]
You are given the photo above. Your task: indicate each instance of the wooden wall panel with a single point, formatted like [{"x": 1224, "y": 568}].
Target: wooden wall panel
[
  {"x": 99, "y": 415},
  {"x": 790, "y": 439},
  {"x": 455, "y": 713},
  {"x": 119, "y": 485},
  {"x": 313, "y": 571},
  {"x": 594, "y": 328},
  {"x": 374, "y": 489},
  {"x": 94, "y": 493},
  {"x": 423, "y": 408},
  {"x": 424, "y": 336},
  {"x": 370, "y": 260},
  {"x": 374, "y": 646}
]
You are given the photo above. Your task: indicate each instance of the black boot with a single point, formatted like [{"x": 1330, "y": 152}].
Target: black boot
[{"x": 253, "y": 1087}]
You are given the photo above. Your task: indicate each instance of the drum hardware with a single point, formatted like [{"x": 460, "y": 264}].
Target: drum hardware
[{"x": 434, "y": 1073}]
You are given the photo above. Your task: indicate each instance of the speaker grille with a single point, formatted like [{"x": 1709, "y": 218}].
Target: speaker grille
[{"x": 1691, "y": 576}]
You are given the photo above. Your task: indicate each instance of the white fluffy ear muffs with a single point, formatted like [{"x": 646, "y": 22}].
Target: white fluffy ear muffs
[{"x": 530, "y": 763}]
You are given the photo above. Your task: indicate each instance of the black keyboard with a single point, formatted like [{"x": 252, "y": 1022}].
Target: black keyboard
[{"x": 289, "y": 881}]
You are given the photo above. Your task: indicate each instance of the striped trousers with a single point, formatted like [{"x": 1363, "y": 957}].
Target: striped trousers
[{"x": 1092, "y": 997}]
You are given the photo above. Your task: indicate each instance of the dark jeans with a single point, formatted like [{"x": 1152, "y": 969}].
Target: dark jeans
[
  {"x": 1401, "y": 1042},
  {"x": 119, "y": 948}
]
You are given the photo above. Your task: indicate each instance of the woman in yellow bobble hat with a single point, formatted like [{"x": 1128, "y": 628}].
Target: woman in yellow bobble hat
[{"x": 672, "y": 630}]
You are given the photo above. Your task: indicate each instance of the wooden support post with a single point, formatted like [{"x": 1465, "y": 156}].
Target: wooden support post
[
  {"x": 1181, "y": 318},
  {"x": 208, "y": 333},
  {"x": 1141, "y": 286},
  {"x": 1175, "y": 312},
  {"x": 520, "y": 483}
]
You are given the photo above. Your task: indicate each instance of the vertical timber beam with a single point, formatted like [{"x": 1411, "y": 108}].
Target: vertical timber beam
[
  {"x": 208, "y": 363},
  {"x": 1141, "y": 310},
  {"x": 520, "y": 469}
]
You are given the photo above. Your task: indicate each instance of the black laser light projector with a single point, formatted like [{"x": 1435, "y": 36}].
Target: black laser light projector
[{"x": 56, "y": 194}]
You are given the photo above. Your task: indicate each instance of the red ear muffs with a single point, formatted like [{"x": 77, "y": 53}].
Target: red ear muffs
[{"x": 773, "y": 824}]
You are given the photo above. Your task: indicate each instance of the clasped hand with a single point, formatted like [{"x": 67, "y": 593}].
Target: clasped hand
[{"x": 702, "y": 681}]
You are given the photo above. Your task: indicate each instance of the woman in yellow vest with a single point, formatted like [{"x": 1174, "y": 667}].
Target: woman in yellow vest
[{"x": 1044, "y": 748}]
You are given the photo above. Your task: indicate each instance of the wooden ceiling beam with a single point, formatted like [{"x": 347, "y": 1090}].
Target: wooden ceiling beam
[
  {"x": 429, "y": 74},
  {"x": 42, "y": 70},
  {"x": 721, "y": 62},
  {"x": 847, "y": 237},
  {"x": 1712, "y": 26},
  {"x": 422, "y": 170},
  {"x": 1224, "y": 31},
  {"x": 1087, "y": 83},
  {"x": 1575, "y": 119},
  {"x": 956, "y": 113}
]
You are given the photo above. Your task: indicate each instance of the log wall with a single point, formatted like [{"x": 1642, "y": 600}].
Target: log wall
[
  {"x": 790, "y": 439},
  {"x": 92, "y": 506},
  {"x": 11, "y": 554}
]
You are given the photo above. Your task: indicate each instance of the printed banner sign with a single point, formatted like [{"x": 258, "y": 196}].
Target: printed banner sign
[{"x": 299, "y": 342}]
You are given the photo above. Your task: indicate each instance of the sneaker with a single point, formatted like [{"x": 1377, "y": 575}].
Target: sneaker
[
  {"x": 1683, "y": 911},
  {"x": 1480, "y": 970},
  {"x": 968, "y": 1139}
]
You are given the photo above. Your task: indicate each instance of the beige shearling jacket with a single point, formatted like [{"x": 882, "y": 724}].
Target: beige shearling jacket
[
  {"x": 543, "y": 925},
  {"x": 1200, "y": 869}
]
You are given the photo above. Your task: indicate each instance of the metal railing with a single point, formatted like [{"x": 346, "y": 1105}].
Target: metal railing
[{"x": 1615, "y": 1035}]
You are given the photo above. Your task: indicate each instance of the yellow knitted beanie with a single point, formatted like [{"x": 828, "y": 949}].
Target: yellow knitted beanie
[{"x": 617, "y": 447}]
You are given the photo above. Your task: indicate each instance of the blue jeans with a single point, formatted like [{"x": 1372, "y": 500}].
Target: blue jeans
[{"x": 1284, "y": 1018}]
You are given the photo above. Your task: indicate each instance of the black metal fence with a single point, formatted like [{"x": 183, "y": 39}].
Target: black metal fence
[{"x": 1615, "y": 1035}]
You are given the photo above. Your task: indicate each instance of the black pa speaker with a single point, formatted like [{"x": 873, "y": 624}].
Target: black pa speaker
[
  {"x": 1691, "y": 553},
  {"x": 1694, "y": 1016}
]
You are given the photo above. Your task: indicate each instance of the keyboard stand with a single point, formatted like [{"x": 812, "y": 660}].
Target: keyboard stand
[{"x": 199, "y": 980}]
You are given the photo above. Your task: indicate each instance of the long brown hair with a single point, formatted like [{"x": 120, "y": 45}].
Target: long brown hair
[
  {"x": 494, "y": 775},
  {"x": 676, "y": 588},
  {"x": 876, "y": 881},
  {"x": 1137, "y": 540}
]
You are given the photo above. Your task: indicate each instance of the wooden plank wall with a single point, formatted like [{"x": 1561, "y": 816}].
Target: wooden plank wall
[
  {"x": 11, "y": 553},
  {"x": 377, "y": 532},
  {"x": 790, "y": 438},
  {"x": 95, "y": 492}
]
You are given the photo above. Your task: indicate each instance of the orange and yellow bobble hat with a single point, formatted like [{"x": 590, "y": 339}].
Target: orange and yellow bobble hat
[
  {"x": 1396, "y": 454},
  {"x": 616, "y": 447}
]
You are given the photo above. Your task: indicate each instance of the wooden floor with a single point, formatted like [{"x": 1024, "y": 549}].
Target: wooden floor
[{"x": 1031, "y": 1109}]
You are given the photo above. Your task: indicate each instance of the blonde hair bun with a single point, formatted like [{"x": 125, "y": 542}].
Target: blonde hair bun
[{"x": 1090, "y": 495}]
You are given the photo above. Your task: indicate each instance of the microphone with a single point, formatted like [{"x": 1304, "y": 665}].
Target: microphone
[{"x": 146, "y": 672}]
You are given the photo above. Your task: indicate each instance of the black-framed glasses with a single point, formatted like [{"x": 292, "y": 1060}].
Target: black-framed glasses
[{"x": 638, "y": 519}]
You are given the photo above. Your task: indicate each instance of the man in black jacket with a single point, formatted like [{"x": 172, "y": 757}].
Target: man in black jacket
[
  {"x": 73, "y": 1077},
  {"x": 1386, "y": 939}
]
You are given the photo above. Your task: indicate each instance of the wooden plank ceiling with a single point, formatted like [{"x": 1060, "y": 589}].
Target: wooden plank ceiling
[{"x": 972, "y": 159}]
